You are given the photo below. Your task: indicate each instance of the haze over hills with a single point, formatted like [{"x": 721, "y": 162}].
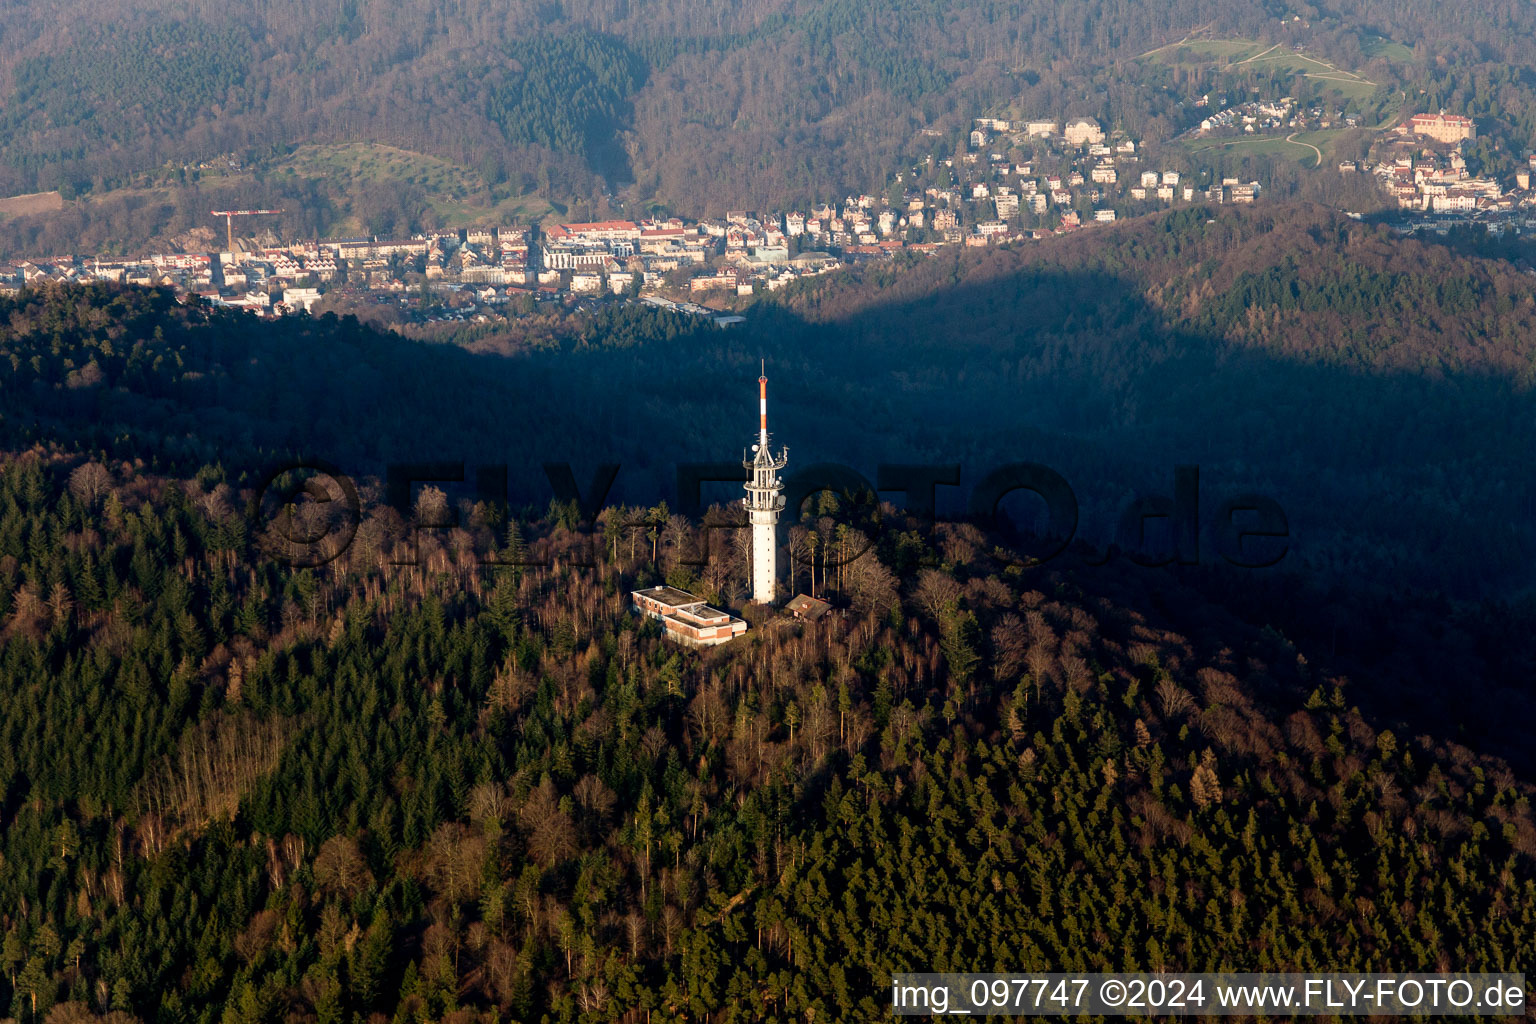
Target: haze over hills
[{"x": 698, "y": 107}]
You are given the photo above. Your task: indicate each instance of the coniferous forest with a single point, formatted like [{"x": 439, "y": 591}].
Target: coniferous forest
[
  {"x": 447, "y": 775},
  {"x": 322, "y": 698},
  {"x": 235, "y": 791}
]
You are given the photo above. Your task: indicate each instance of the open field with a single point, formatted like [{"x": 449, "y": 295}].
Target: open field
[
  {"x": 1311, "y": 149},
  {"x": 1233, "y": 54},
  {"x": 36, "y": 202},
  {"x": 1205, "y": 51},
  {"x": 1323, "y": 140},
  {"x": 516, "y": 210},
  {"x": 1380, "y": 46},
  {"x": 457, "y": 195},
  {"x": 337, "y": 191},
  {"x": 371, "y": 164}
]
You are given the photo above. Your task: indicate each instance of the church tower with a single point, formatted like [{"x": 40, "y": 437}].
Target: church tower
[{"x": 764, "y": 501}]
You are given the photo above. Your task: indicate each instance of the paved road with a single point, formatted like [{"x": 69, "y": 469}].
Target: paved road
[{"x": 1291, "y": 138}]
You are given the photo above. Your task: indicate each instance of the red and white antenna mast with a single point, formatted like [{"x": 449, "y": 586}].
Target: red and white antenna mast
[{"x": 762, "y": 405}]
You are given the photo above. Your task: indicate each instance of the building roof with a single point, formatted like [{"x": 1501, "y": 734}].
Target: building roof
[
  {"x": 704, "y": 615},
  {"x": 1456, "y": 119},
  {"x": 670, "y": 596},
  {"x": 591, "y": 233},
  {"x": 809, "y": 607}
]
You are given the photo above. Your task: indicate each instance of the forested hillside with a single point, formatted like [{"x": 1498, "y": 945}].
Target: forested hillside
[
  {"x": 235, "y": 791},
  {"x": 410, "y": 785},
  {"x": 693, "y": 104},
  {"x": 448, "y": 776}
]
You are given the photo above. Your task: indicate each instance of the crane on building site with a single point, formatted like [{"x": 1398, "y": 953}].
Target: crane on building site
[{"x": 229, "y": 222}]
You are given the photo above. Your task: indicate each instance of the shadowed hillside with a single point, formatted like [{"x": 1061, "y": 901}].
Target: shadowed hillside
[{"x": 1377, "y": 389}]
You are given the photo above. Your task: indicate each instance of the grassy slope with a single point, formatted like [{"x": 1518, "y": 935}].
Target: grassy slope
[
  {"x": 1232, "y": 54},
  {"x": 1262, "y": 144},
  {"x": 459, "y": 196}
]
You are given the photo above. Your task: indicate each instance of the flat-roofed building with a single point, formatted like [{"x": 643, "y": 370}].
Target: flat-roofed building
[{"x": 686, "y": 618}]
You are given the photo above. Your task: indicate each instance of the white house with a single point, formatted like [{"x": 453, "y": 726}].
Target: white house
[{"x": 1083, "y": 131}]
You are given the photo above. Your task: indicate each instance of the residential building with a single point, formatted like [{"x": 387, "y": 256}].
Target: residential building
[
  {"x": 599, "y": 231},
  {"x": 1245, "y": 193},
  {"x": 802, "y": 606},
  {"x": 1083, "y": 131},
  {"x": 1443, "y": 127},
  {"x": 1454, "y": 202},
  {"x": 573, "y": 257},
  {"x": 301, "y": 298}
]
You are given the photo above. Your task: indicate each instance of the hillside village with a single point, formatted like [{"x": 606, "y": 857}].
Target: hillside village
[
  {"x": 1014, "y": 180},
  {"x": 1078, "y": 175},
  {"x": 1423, "y": 166}
]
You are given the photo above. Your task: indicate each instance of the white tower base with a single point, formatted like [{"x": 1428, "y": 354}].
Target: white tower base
[{"x": 764, "y": 555}]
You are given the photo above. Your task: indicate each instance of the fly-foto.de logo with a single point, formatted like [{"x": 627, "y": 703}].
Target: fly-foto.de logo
[{"x": 309, "y": 513}]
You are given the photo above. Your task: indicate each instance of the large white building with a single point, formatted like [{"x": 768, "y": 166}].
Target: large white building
[
  {"x": 1443, "y": 127},
  {"x": 1083, "y": 131},
  {"x": 764, "y": 502}
]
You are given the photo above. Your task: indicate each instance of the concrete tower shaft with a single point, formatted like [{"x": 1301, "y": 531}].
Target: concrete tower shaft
[{"x": 764, "y": 502}]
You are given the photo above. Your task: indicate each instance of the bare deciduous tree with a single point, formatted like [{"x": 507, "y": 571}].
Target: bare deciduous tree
[{"x": 89, "y": 481}]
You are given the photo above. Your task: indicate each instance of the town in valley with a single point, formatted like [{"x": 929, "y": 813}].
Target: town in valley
[{"x": 1077, "y": 175}]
